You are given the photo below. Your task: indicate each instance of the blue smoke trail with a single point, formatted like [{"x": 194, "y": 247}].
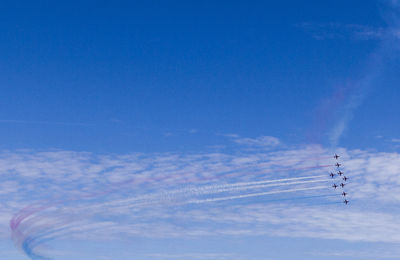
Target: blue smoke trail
[
  {"x": 28, "y": 245},
  {"x": 31, "y": 242}
]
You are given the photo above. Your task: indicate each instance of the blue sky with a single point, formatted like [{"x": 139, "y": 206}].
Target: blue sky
[{"x": 137, "y": 108}]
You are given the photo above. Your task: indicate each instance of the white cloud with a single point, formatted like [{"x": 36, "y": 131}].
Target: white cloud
[
  {"x": 329, "y": 31},
  {"x": 214, "y": 256},
  {"x": 110, "y": 195},
  {"x": 259, "y": 142},
  {"x": 379, "y": 253}
]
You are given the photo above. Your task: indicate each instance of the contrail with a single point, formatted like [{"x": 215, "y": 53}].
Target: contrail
[
  {"x": 267, "y": 171},
  {"x": 254, "y": 195},
  {"x": 226, "y": 174},
  {"x": 32, "y": 241},
  {"x": 168, "y": 195},
  {"x": 28, "y": 240},
  {"x": 149, "y": 202},
  {"x": 142, "y": 181},
  {"x": 211, "y": 190},
  {"x": 268, "y": 181},
  {"x": 30, "y": 210},
  {"x": 177, "y": 194}
]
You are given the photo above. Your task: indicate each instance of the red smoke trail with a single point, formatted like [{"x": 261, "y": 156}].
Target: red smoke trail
[{"x": 327, "y": 112}]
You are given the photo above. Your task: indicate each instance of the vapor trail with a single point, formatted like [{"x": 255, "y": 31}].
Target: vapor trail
[
  {"x": 167, "y": 197},
  {"x": 210, "y": 189},
  {"x": 160, "y": 196},
  {"x": 268, "y": 181},
  {"x": 267, "y": 171},
  {"x": 254, "y": 195},
  {"x": 233, "y": 188},
  {"x": 28, "y": 237}
]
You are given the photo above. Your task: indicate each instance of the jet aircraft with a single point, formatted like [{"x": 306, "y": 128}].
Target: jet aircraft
[
  {"x": 342, "y": 184},
  {"x": 345, "y": 202},
  {"x": 337, "y": 165},
  {"x": 344, "y": 194},
  {"x": 345, "y": 178},
  {"x": 336, "y": 156},
  {"x": 332, "y": 174},
  {"x": 334, "y": 186},
  {"x": 340, "y": 173}
]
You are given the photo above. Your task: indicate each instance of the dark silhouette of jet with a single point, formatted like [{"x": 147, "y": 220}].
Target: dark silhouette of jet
[
  {"x": 345, "y": 178},
  {"x": 340, "y": 173},
  {"x": 337, "y": 164},
  {"x": 342, "y": 184},
  {"x": 334, "y": 186},
  {"x": 344, "y": 194},
  {"x": 345, "y": 202},
  {"x": 336, "y": 156},
  {"x": 332, "y": 175}
]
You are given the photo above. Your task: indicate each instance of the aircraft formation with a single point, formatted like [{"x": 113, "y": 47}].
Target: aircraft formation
[{"x": 338, "y": 177}]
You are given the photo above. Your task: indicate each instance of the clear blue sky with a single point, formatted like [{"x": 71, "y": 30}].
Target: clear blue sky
[
  {"x": 115, "y": 78},
  {"x": 130, "y": 71}
]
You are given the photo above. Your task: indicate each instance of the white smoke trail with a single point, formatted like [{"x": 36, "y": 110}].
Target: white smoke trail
[
  {"x": 182, "y": 194},
  {"x": 263, "y": 182},
  {"x": 204, "y": 190},
  {"x": 233, "y": 188},
  {"x": 253, "y": 195},
  {"x": 34, "y": 236},
  {"x": 91, "y": 212},
  {"x": 179, "y": 196}
]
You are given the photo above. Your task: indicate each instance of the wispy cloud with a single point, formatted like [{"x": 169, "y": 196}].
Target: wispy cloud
[
  {"x": 87, "y": 196},
  {"x": 340, "y": 108},
  {"x": 261, "y": 141},
  {"x": 329, "y": 31},
  {"x": 380, "y": 253},
  {"x": 35, "y": 122},
  {"x": 216, "y": 256}
]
